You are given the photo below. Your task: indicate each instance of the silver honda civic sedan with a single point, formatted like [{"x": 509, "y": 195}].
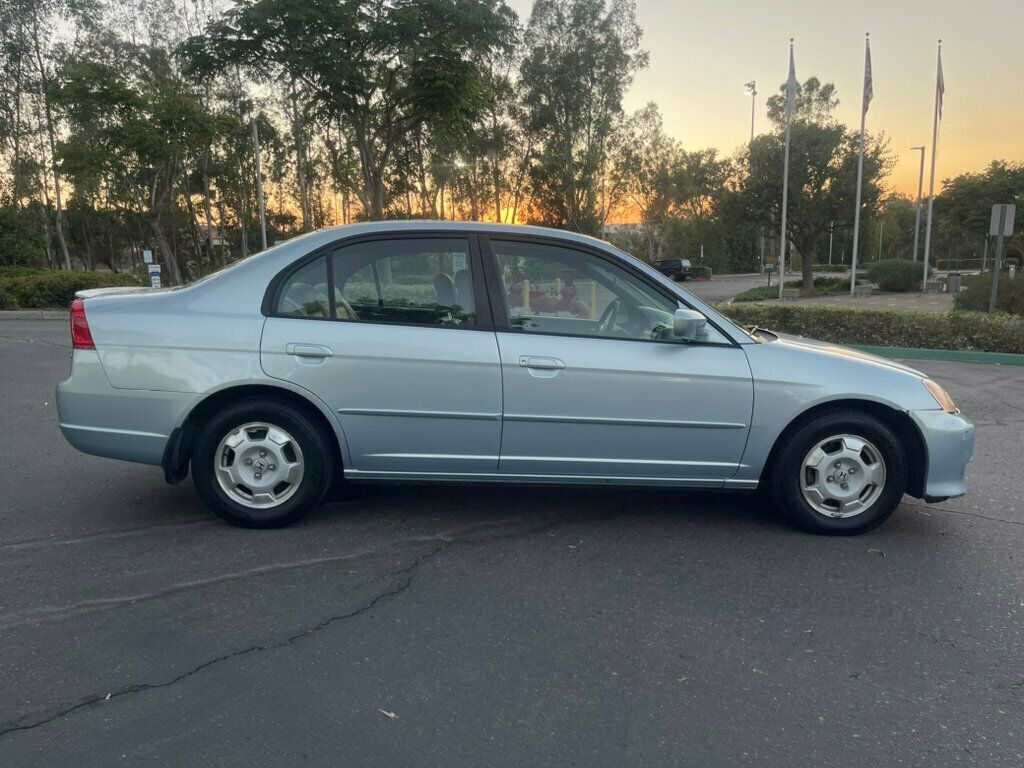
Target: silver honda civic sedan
[{"x": 465, "y": 352}]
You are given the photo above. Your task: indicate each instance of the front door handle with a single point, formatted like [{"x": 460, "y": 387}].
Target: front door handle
[
  {"x": 541, "y": 363},
  {"x": 308, "y": 350}
]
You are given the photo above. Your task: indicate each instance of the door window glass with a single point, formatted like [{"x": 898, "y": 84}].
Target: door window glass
[
  {"x": 421, "y": 281},
  {"x": 554, "y": 289},
  {"x": 305, "y": 293}
]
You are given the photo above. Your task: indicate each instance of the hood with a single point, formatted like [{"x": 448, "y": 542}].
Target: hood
[{"x": 838, "y": 351}]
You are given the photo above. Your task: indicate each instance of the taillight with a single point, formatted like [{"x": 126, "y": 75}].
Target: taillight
[{"x": 81, "y": 336}]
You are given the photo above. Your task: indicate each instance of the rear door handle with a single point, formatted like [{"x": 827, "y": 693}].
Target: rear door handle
[
  {"x": 308, "y": 350},
  {"x": 541, "y": 363}
]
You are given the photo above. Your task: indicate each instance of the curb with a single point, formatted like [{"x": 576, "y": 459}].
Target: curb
[
  {"x": 34, "y": 314},
  {"x": 943, "y": 355}
]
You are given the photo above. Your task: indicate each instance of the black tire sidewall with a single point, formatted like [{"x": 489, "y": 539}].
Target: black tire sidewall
[
  {"x": 316, "y": 456},
  {"x": 786, "y": 473}
]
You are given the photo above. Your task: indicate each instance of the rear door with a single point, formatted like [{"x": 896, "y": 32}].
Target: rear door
[
  {"x": 596, "y": 385},
  {"x": 391, "y": 333}
]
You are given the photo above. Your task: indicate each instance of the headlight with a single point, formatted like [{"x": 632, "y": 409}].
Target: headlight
[{"x": 941, "y": 396}]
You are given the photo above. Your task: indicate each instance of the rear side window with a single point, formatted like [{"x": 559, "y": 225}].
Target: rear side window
[
  {"x": 305, "y": 292},
  {"x": 421, "y": 281}
]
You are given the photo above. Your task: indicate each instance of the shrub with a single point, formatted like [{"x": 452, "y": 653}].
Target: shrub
[
  {"x": 896, "y": 275},
  {"x": 701, "y": 272},
  {"x": 55, "y": 288},
  {"x": 978, "y": 289},
  {"x": 973, "y": 331},
  {"x": 823, "y": 286},
  {"x": 7, "y": 299},
  {"x": 8, "y": 271}
]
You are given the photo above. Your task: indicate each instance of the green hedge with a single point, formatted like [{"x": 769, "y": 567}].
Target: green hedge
[
  {"x": 823, "y": 286},
  {"x": 830, "y": 268},
  {"x": 974, "y": 331},
  {"x": 703, "y": 273},
  {"x": 978, "y": 289},
  {"x": 896, "y": 275},
  {"x": 40, "y": 289}
]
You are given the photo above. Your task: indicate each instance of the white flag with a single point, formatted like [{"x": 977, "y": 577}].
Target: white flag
[
  {"x": 791, "y": 86},
  {"x": 869, "y": 82}
]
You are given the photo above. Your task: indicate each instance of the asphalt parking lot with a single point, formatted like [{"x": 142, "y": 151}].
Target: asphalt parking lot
[{"x": 451, "y": 626}]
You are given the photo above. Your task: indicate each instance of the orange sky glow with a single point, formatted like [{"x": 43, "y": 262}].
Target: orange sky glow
[{"x": 701, "y": 54}]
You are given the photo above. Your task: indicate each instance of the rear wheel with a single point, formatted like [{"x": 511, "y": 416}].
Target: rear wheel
[
  {"x": 841, "y": 473},
  {"x": 261, "y": 463}
]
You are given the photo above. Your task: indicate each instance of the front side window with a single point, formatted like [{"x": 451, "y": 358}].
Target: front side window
[
  {"x": 422, "y": 281},
  {"x": 555, "y": 289}
]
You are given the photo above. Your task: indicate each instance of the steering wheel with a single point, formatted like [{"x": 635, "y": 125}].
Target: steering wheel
[{"x": 609, "y": 316}]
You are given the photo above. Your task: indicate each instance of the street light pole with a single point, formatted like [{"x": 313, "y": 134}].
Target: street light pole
[
  {"x": 831, "y": 231},
  {"x": 751, "y": 89},
  {"x": 881, "y": 230},
  {"x": 920, "y": 187}
]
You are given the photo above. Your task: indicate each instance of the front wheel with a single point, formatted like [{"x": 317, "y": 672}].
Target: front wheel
[
  {"x": 261, "y": 463},
  {"x": 842, "y": 473}
]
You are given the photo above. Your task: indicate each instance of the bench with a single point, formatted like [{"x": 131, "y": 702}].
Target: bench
[
  {"x": 790, "y": 294},
  {"x": 862, "y": 291},
  {"x": 933, "y": 286}
]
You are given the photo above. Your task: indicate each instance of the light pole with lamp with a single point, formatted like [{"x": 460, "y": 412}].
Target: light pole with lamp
[
  {"x": 750, "y": 88},
  {"x": 920, "y": 187}
]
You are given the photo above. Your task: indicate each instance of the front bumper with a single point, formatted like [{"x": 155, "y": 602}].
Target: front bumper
[
  {"x": 128, "y": 424},
  {"x": 949, "y": 442}
]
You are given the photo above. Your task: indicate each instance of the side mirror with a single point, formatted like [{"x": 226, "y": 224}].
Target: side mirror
[{"x": 689, "y": 324}]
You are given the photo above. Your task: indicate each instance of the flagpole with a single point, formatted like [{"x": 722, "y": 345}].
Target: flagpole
[
  {"x": 785, "y": 175},
  {"x": 931, "y": 180},
  {"x": 860, "y": 175}
]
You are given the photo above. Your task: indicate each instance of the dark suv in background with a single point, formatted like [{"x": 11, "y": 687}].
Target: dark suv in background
[{"x": 677, "y": 269}]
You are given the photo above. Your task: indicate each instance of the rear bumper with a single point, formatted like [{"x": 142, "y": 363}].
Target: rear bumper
[
  {"x": 949, "y": 440},
  {"x": 128, "y": 424}
]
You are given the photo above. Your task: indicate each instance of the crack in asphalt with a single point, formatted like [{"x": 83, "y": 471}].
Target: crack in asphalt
[
  {"x": 405, "y": 576},
  {"x": 949, "y": 511},
  {"x": 35, "y": 341}
]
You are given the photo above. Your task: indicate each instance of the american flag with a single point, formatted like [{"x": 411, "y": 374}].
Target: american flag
[
  {"x": 940, "y": 85},
  {"x": 869, "y": 84}
]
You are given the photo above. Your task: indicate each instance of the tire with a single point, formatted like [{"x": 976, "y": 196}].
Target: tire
[
  {"x": 833, "y": 500},
  {"x": 295, "y": 467}
]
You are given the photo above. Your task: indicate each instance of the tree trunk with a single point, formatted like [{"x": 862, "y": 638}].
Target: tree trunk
[
  {"x": 300, "y": 161},
  {"x": 51, "y": 133},
  {"x": 170, "y": 260}
]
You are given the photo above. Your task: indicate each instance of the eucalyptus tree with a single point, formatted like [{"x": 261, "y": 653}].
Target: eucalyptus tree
[
  {"x": 397, "y": 65},
  {"x": 132, "y": 126},
  {"x": 581, "y": 57}
]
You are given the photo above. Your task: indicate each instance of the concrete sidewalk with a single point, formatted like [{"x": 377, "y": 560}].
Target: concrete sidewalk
[{"x": 33, "y": 314}]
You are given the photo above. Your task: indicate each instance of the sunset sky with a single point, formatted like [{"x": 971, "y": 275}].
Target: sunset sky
[{"x": 701, "y": 54}]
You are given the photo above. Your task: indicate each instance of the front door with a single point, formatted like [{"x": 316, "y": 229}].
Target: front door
[
  {"x": 401, "y": 349},
  {"x": 596, "y": 385}
]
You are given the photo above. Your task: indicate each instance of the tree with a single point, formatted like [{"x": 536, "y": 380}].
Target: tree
[
  {"x": 134, "y": 128},
  {"x": 581, "y": 57},
  {"x": 822, "y": 171},
  {"x": 405, "y": 63},
  {"x": 964, "y": 208}
]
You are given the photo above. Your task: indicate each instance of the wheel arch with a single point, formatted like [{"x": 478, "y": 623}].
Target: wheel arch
[
  {"x": 178, "y": 452},
  {"x": 899, "y": 421}
]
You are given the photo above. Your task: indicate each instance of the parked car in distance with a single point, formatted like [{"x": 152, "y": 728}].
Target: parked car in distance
[
  {"x": 674, "y": 269},
  {"x": 443, "y": 351}
]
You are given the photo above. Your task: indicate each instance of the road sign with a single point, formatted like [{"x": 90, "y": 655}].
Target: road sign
[
  {"x": 154, "y": 275},
  {"x": 147, "y": 256},
  {"x": 1002, "y": 220},
  {"x": 1001, "y": 226}
]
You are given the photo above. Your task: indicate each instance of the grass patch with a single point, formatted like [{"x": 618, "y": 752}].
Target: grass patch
[{"x": 973, "y": 331}]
